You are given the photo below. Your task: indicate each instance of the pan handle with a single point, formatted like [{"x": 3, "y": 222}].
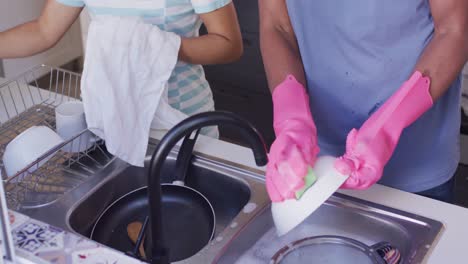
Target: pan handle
[
  {"x": 141, "y": 235},
  {"x": 184, "y": 158}
]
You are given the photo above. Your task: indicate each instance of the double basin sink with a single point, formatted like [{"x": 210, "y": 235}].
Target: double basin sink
[{"x": 242, "y": 211}]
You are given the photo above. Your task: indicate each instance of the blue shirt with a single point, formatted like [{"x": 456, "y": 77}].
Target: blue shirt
[{"x": 356, "y": 54}]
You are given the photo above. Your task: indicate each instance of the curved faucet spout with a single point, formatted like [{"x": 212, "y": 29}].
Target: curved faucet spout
[{"x": 159, "y": 254}]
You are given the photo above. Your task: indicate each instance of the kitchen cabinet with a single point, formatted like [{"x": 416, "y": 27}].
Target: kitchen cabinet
[
  {"x": 253, "y": 107},
  {"x": 464, "y": 101},
  {"x": 241, "y": 87},
  {"x": 20, "y": 11}
]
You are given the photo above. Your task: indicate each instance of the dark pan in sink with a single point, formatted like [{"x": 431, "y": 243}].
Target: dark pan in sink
[
  {"x": 187, "y": 216},
  {"x": 228, "y": 195},
  {"x": 182, "y": 235}
]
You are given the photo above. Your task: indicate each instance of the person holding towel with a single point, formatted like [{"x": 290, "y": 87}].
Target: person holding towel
[
  {"x": 188, "y": 90},
  {"x": 376, "y": 83}
]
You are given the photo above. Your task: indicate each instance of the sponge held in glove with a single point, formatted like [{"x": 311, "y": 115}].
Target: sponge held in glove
[{"x": 309, "y": 179}]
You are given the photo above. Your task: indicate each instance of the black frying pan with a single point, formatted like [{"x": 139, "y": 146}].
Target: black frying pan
[{"x": 187, "y": 216}]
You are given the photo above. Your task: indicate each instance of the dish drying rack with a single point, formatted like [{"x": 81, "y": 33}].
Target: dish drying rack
[{"x": 30, "y": 100}]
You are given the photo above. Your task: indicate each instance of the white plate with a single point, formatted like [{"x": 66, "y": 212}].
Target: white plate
[
  {"x": 29, "y": 146},
  {"x": 290, "y": 213}
]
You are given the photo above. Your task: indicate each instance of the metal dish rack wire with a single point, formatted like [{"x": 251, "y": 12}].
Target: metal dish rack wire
[{"x": 30, "y": 100}]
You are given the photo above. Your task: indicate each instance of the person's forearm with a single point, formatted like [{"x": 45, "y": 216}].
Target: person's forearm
[
  {"x": 38, "y": 35},
  {"x": 281, "y": 56},
  {"x": 442, "y": 60},
  {"x": 209, "y": 49},
  {"x": 24, "y": 40}
]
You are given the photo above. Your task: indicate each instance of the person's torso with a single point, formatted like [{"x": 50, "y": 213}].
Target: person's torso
[
  {"x": 188, "y": 89},
  {"x": 356, "y": 54}
]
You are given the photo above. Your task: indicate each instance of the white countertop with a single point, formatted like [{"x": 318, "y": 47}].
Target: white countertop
[{"x": 451, "y": 246}]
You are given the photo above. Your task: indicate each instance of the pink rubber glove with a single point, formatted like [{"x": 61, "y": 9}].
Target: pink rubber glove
[
  {"x": 295, "y": 147},
  {"x": 370, "y": 148}
]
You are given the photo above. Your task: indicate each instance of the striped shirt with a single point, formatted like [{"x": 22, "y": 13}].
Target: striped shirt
[{"x": 188, "y": 89}]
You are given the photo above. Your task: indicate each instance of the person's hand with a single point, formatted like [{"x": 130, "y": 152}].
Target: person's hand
[
  {"x": 369, "y": 149},
  {"x": 295, "y": 148},
  {"x": 364, "y": 160}
]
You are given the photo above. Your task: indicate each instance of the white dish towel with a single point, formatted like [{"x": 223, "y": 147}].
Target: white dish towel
[{"x": 124, "y": 83}]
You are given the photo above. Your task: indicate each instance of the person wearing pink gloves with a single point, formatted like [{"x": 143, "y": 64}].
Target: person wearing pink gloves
[{"x": 375, "y": 83}]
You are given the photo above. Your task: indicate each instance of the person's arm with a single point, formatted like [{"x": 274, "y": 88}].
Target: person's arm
[
  {"x": 41, "y": 34},
  {"x": 278, "y": 43},
  {"x": 295, "y": 149},
  {"x": 222, "y": 44},
  {"x": 370, "y": 148},
  {"x": 447, "y": 52}
]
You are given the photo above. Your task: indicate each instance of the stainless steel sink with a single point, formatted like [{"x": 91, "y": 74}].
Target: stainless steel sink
[
  {"x": 341, "y": 215},
  {"x": 237, "y": 194},
  {"x": 228, "y": 195},
  {"x": 242, "y": 211}
]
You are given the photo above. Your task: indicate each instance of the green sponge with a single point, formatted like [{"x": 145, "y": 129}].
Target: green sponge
[{"x": 310, "y": 179}]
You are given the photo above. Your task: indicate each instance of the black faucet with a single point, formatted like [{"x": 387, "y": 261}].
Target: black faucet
[{"x": 159, "y": 254}]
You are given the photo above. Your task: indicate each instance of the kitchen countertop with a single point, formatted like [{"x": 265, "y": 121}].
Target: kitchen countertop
[
  {"x": 40, "y": 243},
  {"x": 449, "y": 248},
  {"x": 451, "y": 245}
]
